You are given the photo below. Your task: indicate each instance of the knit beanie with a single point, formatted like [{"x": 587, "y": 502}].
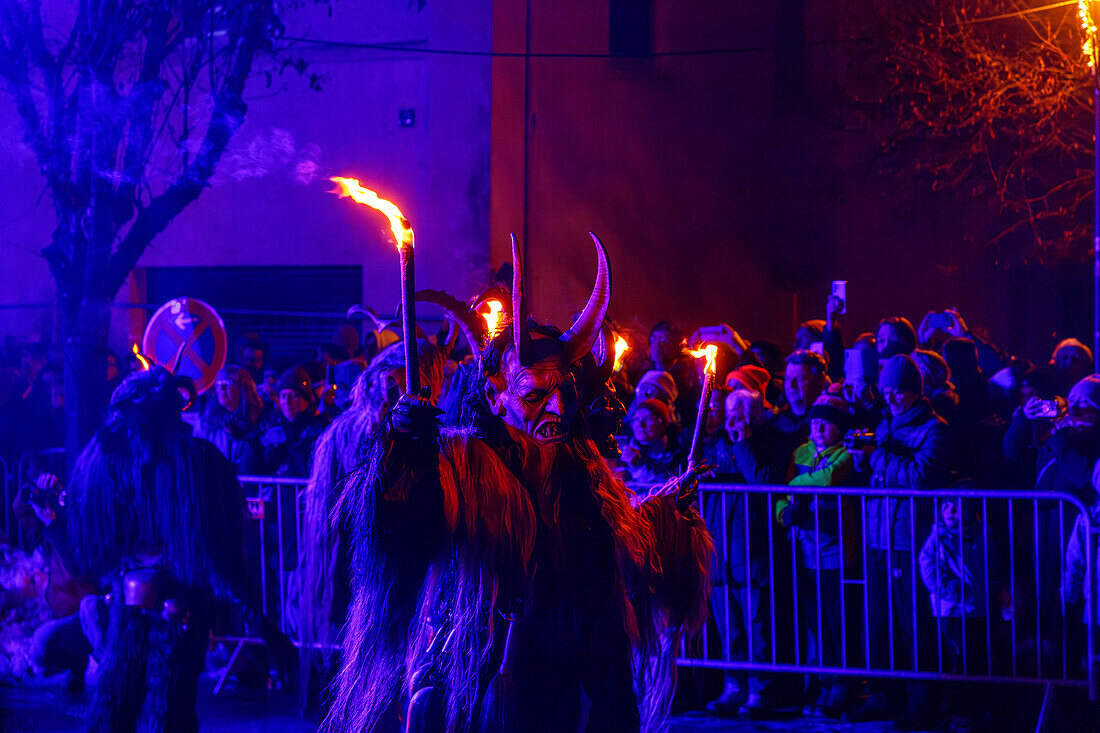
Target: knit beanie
[
  {"x": 750, "y": 377},
  {"x": 832, "y": 408},
  {"x": 663, "y": 380},
  {"x": 900, "y": 372},
  {"x": 297, "y": 379},
  {"x": 657, "y": 407},
  {"x": 1086, "y": 392}
]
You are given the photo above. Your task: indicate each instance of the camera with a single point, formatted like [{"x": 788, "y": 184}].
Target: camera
[{"x": 859, "y": 439}]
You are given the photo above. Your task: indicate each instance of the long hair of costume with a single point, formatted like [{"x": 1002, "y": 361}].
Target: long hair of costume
[
  {"x": 338, "y": 455},
  {"x": 144, "y": 487},
  {"x": 441, "y": 529},
  {"x": 338, "y": 452}
]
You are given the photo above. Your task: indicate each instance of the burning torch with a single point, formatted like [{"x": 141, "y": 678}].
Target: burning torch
[
  {"x": 492, "y": 318},
  {"x": 403, "y": 235},
  {"x": 710, "y": 352},
  {"x": 621, "y": 347}
]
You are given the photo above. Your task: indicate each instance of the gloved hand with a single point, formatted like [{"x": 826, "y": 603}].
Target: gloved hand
[{"x": 415, "y": 416}]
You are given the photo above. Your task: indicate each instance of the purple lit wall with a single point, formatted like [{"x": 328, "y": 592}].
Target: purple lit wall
[
  {"x": 269, "y": 204},
  {"x": 727, "y": 186}
]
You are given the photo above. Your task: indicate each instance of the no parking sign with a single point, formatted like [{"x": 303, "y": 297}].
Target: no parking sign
[{"x": 190, "y": 332}]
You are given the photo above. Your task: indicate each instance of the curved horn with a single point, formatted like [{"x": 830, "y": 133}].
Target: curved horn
[
  {"x": 460, "y": 317},
  {"x": 520, "y": 338},
  {"x": 583, "y": 333}
]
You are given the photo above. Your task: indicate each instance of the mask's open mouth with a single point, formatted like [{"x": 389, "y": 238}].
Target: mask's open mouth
[{"x": 549, "y": 431}]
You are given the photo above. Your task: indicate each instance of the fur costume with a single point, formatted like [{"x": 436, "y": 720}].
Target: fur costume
[
  {"x": 500, "y": 581},
  {"x": 339, "y": 453},
  {"x": 145, "y": 494}
]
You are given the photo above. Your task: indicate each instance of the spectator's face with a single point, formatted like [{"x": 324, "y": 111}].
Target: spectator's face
[
  {"x": 716, "y": 416},
  {"x": 824, "y": 433},
  {"x": 802, "y": 385},
  {"x": 650, "y": 391},
  {"x": 887, "y": 342},
  {"x": 663, "y": 347},
  {"x": 228, "y": 393},
  {"x": 898, "y": 401},
  {"x": 1083, "y": 413},
  {"x": 738, "y": 410},
  {"x": 253, "y": 360},
  {"x": 540, "y": 400},
  {"x": 858, "y": 391},
  {"x": 949, "y": 513},
  {"x": 648, "y": 426},
  {"x": 291, "y": 404}
]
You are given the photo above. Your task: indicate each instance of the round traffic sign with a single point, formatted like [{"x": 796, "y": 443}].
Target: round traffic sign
[{"x": 187, "y": 336}]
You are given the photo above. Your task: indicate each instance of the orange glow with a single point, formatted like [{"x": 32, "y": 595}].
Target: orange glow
[
  {"x": 492, "y": 318},
  {"x": 145, "y": 365},
  {"x": 399, "y": 225},
  {"x": 1088, "y": 24},
  {"x": 710, "y": 351},
  {"x": 621, "y": 347}
]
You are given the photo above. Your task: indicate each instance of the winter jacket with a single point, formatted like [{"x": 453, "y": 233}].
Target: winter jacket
[
  {"x": 1065, "y": 462},
  {"x": 815, "y": 538},
  {"x": 912, "y": 453},
  {"x": 952, "y": 566},
  {"x": 1073, "y": 572}
]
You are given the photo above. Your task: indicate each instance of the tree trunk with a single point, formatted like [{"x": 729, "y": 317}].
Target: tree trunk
[{"x": 84, "y": 327}]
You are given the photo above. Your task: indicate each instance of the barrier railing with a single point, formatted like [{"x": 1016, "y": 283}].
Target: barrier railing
[
  {"x": 931, "y": 584},
  {"x": 273, "y": 533},
  {"x": 945, "y": 584}
]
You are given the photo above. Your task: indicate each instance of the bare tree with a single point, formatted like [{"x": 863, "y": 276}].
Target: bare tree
[
  {"x": 992, "y": 103},
  {"x": 127, "y": 106}
]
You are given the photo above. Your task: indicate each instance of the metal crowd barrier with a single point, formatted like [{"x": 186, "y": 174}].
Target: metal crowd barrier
[
  {"x": 272, "y": 534},
  {"x": 844, "y": 592}
]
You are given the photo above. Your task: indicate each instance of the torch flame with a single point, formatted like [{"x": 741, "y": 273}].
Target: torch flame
[
  {"x": 710, "y": 351},
  {"x": 145, "y": 365},
  {"x": 399, "y": 225},
  {"x": 1088, "y": 24},
  {"x": 621, "y": 347},
  {"x": 492, "y": 318}
]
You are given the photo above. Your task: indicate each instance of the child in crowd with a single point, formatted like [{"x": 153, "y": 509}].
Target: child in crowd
[
  {"x": 953, "y": 569},
  {"x": 651, "y": 454},
  {"x": 812, "y": 521}
]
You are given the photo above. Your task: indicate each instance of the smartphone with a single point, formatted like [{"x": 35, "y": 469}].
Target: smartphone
[
  {"x": 840, "y": 292},
  {"x": 940, "y": 321},
  {"x": 1046, "y": 408}
]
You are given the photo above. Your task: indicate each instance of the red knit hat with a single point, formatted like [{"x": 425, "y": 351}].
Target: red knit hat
[{"x": 750, "y": 377}]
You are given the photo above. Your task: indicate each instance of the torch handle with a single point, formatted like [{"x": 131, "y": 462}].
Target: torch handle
[
  {"x": 704, "y": 408},
  {"x": 408, "y": 321}
]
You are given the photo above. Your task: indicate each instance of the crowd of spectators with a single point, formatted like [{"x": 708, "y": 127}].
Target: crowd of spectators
[{"x": 934, "y": 406}]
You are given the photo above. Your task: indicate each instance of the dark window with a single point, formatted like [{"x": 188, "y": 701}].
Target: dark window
[{"x": 631, "y": 27}]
